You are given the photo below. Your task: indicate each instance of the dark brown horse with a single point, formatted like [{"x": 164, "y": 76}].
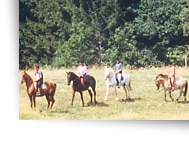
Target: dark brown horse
[
  {"x": 78, "y": 87},
  {"x": 48, "y": 91}
]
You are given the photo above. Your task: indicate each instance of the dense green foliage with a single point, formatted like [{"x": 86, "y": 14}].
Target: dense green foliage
[{"x": 140, "y": 32}]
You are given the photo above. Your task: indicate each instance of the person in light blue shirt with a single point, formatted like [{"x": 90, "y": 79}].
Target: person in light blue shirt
[{"x": 118, "y": 70}]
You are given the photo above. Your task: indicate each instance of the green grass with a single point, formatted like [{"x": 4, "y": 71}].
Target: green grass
[{"x": 146, "y": 102}]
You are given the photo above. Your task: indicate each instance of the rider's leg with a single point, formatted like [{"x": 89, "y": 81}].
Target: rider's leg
[
  {"x": 82, "y": 81},
  {"x": 170, "y": 82},
  {"x": 35, "y": 85},
  {"x": 39, "y": 89},
  {"x": 119, "y": 79},
  {"x": 173, "y": 83}
]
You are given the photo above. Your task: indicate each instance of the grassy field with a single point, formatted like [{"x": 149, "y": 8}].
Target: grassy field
[{"x": 146, "y": 102}]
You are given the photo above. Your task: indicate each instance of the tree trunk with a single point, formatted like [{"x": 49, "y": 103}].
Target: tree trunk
[{"x": 186, "y": 62}]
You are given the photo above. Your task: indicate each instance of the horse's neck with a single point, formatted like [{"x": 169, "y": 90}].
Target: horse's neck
[
  {"x": 29, "y": 81},
  {"x": 112, "y": 76},
  {"x": 164, "y": 83},
  {"x": 75, "y": 77}
]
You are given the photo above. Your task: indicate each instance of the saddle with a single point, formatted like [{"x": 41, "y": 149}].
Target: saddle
[
  {"x": 121, "y": 77},
  {"x": 43, "y": 86}
]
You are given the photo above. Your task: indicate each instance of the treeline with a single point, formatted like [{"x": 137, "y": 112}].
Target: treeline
[{"x": 140, "y": 32}]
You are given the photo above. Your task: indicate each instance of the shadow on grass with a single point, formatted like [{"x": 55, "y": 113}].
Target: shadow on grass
[
  {"x": 98, "y": 104},
  {"x": 60, "y": 111},
  {"x": 183, "y": 102},
  {"x": 130, "y": 100}
]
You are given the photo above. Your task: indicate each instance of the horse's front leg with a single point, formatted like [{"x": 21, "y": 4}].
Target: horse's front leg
[
  {"x": 33, "y": 102},
  {"x": 115, "y": 93},
  {"x": 73, "y": 96},
  {"x": 171, "y": 96},
  {"x": 82, "y": 98},
  {"x": 165, "y": 96},
  {"x": 107, "y": 91},
  {"x": 30, "y": 101}
]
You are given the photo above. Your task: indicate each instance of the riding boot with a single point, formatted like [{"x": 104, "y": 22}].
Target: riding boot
[
  {"x": 40, "y": 90},
  {"x": 119, "y": 85}
]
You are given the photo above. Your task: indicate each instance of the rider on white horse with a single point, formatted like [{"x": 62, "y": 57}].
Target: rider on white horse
[{"x": 118, "y": 71}]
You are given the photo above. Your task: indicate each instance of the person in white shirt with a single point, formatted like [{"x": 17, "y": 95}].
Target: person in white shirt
[
  {"x": 39, "y": 79},
  {"x": 82, "y": 72}
]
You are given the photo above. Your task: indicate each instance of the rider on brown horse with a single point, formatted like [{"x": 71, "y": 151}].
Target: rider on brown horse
[
  {"x": 82, "y": 73},
  {"x": 39, "y": 79},
  {"x": 171, "y": 75}
]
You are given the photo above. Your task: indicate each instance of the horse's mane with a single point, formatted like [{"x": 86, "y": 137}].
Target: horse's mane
[
  {"x": 74, "y": 74},
  {"x": 24, "y": 73},
  {"x": 162, "y": 76}
]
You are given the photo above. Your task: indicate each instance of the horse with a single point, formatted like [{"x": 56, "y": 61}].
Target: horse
[
  {"x": 180, "y": 83},
  {"x": 110, "y": 78},
  {"x": 48, "y": 91},
  {"x": 78, "y": 87}
]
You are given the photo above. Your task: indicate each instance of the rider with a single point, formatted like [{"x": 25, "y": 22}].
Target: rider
[
  {"x": 82, "y": 72},
  {"x": 171, "y": 75},
  {"x": 117, "y": 70},
  {"x": 39, "y": 79}
]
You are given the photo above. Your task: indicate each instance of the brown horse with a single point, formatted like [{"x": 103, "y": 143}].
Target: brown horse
[
  {"x": 49, "y": 91},
  {"x": 180, "y": 83},
  {"x": 78, "y": 87}
]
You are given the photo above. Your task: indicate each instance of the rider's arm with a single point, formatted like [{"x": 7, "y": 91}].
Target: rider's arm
[
  {"x": 172, "y": 72},
  {"x": 40, "y": 77}
]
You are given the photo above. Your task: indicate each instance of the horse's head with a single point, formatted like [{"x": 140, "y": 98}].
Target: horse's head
[
  {"x": 108, "y": 73},
  {"x": 24, "y": 77},
  {"x": 71, "y": 77},
  {"x": 157, "y": 84},
  {"x": 159, "y": 79}
]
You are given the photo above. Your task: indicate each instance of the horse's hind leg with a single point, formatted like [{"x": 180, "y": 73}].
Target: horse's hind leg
[
  {"x": 52, "y": 100},
  {"x": 91, "y": 95},
  {"x": 125, "y": 91},
  {"x": 48, "y": 101},
  {"x": 179, "y": 95},
  {"x": 128, "y": 90}
]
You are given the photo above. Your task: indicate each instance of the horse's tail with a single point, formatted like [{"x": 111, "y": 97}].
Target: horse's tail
[
  {"x": 53, "y": 91},
  {"x": 186, "y": 88}
]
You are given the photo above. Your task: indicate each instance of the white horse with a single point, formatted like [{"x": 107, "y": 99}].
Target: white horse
[{"x": 110, "y": 78}]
